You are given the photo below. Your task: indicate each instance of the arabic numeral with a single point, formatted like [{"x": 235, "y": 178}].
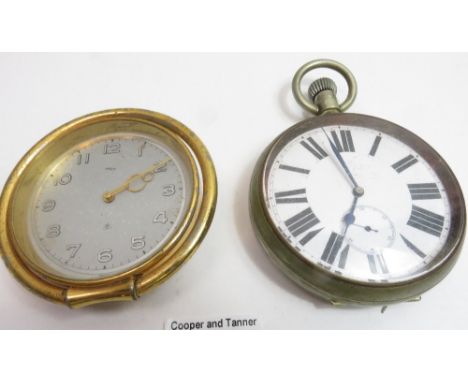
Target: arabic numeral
[
  {"x": 48, "y": 205},
  {"x": 64, "y": 179},
  {"x": 138, "y": 242},
  {"x": 73, "y": 249},
  {"x": 169, "y": 190},
  {"x": 82, "y": 159},
  {"x": 161, "y": 169},
  {"x": 53, "y": 230},
  {"x": 160, "y": 217},
  {"x": 140, "y": 149},
  {"x": 105, "y": 255},
  {"x": 112, "y": 148}
]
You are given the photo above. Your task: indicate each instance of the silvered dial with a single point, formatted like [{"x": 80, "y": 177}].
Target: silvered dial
[
  {"x": 359, "y": 203},
  {"x": 109, "y": 204}
]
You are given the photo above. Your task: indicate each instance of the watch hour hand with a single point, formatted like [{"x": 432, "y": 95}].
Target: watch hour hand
[
  {"x": 350, "y": 218},
  {"x": 129, "y": 185}
]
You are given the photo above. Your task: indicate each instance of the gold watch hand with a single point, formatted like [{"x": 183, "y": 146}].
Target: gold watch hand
[{"x": 145, "y": 176}]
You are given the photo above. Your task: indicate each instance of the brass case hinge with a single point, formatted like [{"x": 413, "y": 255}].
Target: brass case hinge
[{"x": 81, "y": 297}]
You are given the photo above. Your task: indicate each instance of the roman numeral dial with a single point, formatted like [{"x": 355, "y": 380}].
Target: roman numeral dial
[
  {"x": 413, "y": 247},
  {"x": 404, "y": 163},
  {"x": 344, "y": 141},
  {"x": 293, "y": 196},
  {"x": 301, "y": 222},
  {"x": 314, "y": 148},
  {"x": 426, "y": 221},
  {"x": 358, "y": 202},
  {"x": 423, "y": 191},
  {"x": 294, "y": 169},
  {"x": 333, "y": 246},
  {"x": 377, "y": 264},
  {"x": 375, "y": 145}
]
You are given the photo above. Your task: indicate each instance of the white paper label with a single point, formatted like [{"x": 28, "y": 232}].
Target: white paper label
[{"x": 223, "y": 323}]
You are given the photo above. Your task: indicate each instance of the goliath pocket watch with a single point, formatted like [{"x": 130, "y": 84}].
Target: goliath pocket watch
[
  {"x": 106, "y": 206},
  {"x": 354, "y": 208}
]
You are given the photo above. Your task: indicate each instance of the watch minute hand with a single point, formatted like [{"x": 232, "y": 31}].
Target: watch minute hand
[
  {"x": 341, "y": 160},
  {"x": 145, "y": 177}
]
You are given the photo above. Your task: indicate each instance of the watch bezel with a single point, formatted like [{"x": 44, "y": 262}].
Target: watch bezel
[{"x": 319, "y": 279}]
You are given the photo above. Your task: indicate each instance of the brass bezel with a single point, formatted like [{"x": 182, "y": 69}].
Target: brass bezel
[
  {"x": 130, "y": 284},
  {"x": 327, "y": 285}
]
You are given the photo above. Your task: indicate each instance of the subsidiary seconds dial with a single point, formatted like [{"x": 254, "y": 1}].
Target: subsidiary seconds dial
[{"x": 358, "y": 202}]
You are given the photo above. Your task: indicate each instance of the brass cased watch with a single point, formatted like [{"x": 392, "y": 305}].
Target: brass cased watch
[{"x": 73, "y": 233}]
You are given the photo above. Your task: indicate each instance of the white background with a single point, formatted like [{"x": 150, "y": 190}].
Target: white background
[{"x": 236, "y": 103}]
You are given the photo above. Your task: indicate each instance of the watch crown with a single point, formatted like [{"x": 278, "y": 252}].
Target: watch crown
[{"x": 320, "y": 85}]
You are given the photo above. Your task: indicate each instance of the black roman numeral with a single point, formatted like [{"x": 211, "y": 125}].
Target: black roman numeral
[
  {"x": 314, "y": 148},
  {"x": 423, "y": 191},
  {"x": 377, "y": 264},
  {"x": 293, "y": 196},
  {"x": 334, "y": 243},
  {"x": 344, "y": 142},
  {"x": 375, "y": 145},
  {"x": 411, "y": 246},
  {"x": 293, "y": 169},
  {"x": 309, "y": 236},
  {"x": 426, "y": 221},
  {"x": 404, "y": 163},
  {"x": 343, "y": 257},
  {"x": 301, "y": 222}
]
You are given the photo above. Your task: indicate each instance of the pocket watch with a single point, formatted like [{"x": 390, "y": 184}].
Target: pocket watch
[
  {"x": 354, "y": 208},
  {"x": 106, "y": 206}
]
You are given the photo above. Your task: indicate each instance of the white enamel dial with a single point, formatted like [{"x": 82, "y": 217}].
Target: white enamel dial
[
  {"x": 371, "y": 210},
  {"x": 83, "y": 235}
]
